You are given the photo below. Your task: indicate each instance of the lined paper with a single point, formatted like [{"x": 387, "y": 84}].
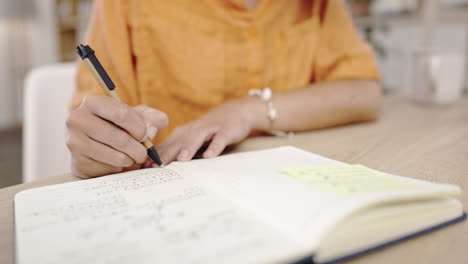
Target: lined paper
[{"x": 147, "y": 216}]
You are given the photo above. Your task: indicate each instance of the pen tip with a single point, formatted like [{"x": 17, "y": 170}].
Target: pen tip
[{"x": 154, "y": 156}]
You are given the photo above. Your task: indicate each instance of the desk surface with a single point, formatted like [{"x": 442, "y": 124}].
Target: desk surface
[{"x": 424, "y": 142}]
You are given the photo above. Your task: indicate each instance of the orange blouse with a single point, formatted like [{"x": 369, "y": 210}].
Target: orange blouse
[{"x": 186, "y": 57}]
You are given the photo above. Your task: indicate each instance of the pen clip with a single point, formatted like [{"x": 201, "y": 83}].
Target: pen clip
[
  {"x": 84, "y": 51},
  {"x": 87, "y": 55}
]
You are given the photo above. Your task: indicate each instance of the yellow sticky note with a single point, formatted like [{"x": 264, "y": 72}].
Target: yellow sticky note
[{"x": 348, "y": 179}]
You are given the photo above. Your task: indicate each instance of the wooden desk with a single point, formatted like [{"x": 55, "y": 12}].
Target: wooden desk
[{"x": 425, "y": 142}]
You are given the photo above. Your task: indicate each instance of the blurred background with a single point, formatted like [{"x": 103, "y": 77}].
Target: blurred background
[{"x": 34, "y": 33}]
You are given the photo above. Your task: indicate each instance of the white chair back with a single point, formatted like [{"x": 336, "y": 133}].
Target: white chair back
[{"x": 48, "y": 91}]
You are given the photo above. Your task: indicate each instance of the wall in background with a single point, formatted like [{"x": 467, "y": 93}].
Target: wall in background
[
  {"x": 39, "y": 39},
  {"x": 6, "y": 105},
  {"x": 44, "y": 44},
  {"x": 403, "y": 35},
  {"x": 401, "y": 40}
]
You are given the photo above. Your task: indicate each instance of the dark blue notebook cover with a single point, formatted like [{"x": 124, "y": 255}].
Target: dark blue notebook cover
[{"x": 310, "y": 259}]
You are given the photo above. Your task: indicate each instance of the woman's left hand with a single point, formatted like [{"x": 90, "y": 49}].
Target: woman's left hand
[{"x": 227, "y": 124}]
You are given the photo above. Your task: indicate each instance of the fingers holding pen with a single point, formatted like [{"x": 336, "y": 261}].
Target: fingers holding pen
[
  {"x": 154, "y": 119},
  {"x": 102, "y": 124},
  {"x": 116, "y": 112},
  {"x": 85, "y": 167},
  {"x": 108, "y": 134}
]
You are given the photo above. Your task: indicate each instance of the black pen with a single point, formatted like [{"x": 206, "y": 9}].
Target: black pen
[{"x": 106, "y": 84}]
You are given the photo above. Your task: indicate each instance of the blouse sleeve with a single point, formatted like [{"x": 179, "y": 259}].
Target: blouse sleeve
[
  {"x": 341, "y": 53},
  {"x": 109, "y": 36}
]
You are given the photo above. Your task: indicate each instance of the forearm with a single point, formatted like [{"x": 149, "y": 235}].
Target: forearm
[
  {"x": 322, "y": 105},
  {"x": 312, "y": 107}
]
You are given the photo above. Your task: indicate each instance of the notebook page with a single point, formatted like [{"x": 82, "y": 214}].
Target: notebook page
[
  {"x": 255, "y": 181},
  {"x": 146, "y": 216},
  {"x": 353, "y": 179}
]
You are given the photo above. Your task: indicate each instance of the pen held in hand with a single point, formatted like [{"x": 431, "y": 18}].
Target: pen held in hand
[{"x": 106, "y": 84}]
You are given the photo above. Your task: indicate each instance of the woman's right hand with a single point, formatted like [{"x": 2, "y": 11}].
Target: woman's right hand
[{"x": 105, "y": 135}]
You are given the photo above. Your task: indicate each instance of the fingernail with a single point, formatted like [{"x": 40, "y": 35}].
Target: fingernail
[
  {"x": 183, "y": 155},
  {"x": 151, "y": 133}
]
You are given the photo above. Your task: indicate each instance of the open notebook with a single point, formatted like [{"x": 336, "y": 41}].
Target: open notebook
[{"x": 277, "y": 205}]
